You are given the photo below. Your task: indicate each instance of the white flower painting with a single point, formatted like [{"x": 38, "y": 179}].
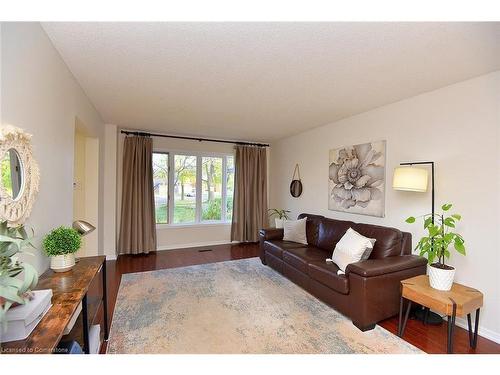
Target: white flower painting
[{"x": 357, "y": 179}]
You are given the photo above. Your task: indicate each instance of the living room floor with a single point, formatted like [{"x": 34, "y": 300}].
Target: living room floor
[{"x": 431, "y": 339}]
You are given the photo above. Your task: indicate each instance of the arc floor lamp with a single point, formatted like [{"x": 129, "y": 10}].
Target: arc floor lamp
[
  {"x": 409, "y": 178},
  {"x": 415, "y": 179}
]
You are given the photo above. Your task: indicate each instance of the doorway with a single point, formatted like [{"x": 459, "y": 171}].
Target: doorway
[{"x": 86, "y": 186}]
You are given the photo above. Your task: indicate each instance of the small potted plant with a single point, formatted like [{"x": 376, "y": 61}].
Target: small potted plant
[
  {"x": 281, "y": 216},
  {"x": 435, "y": 246},
  {"x": 61, "y": 245}
]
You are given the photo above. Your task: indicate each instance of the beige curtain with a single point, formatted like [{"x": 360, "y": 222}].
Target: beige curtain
[
  {"x": 250, "y": 193},
  {"x": 138, "y": 227}
]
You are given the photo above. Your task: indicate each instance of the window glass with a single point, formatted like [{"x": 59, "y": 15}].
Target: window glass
[
  {"x": 211, "y": 200},
  {"x": 185, "y": 189},
  {"x": 160, "y": 186}
]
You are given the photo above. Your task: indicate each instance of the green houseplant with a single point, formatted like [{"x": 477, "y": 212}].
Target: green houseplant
[
  {"x": 281, "y": 216},
  {"x": 16, "y": 278},
  {"x": 60, "y": 245},
  {"x": 437, "y": 243}
]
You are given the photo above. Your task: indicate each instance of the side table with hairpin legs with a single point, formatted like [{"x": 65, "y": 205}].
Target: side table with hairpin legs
[{"x": 461, "y": 300}]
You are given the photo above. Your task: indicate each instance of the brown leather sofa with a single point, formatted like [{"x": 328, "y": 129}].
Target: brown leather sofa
[{"x": 369, "y": 291}]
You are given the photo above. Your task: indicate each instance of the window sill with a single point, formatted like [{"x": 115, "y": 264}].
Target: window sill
[{"x": 194, "y": 225}]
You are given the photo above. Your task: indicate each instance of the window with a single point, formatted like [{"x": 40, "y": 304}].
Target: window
[
  {"x": 185, "y": 189},
  {"x": 211, "y": 199},
  {"x": 201, "y": 188},
  {"x": 160, "y": 184}
]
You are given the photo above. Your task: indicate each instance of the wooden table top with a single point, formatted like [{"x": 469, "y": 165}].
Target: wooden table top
[
  {"x": 418, "y": 289},
  {"x": 68, "y": 290}
]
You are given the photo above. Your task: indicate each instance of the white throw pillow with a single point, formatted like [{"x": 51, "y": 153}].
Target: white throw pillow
[
  {"x": 295, "y": 231},
  {"x": 352, "y": 248},
  {"x": 369, "y": 249}
]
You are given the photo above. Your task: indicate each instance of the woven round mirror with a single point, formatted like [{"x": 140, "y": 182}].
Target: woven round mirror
[{"x": 19, "y": 175}]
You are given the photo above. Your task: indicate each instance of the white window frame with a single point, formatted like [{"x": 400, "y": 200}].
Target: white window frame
[{"x": 171, "y": 171}]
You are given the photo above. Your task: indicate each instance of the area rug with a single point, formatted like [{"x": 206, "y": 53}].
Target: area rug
[{"x": 233, "y": 307}]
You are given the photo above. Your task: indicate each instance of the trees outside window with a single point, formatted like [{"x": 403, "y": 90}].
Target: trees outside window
[
  {"x": 211, "y": 188},
  {"x": 201, "y": 188},
  {"x": 160, "y": 186},
  {"x": 185, "y": 189}
]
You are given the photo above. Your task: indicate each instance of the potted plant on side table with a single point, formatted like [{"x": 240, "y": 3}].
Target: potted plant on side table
[
  {"x": 61, "y": 245},
  {"x": 281, "y": 216},
  {"x": 435, "y": 246}
]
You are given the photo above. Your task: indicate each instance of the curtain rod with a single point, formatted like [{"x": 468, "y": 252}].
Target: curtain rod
[{"x": 145, "y": 134}]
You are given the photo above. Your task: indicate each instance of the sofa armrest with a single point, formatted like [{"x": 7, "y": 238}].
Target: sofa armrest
[
  {"x": 377, "y": 267},
  {"x": 267, "y": 234}
]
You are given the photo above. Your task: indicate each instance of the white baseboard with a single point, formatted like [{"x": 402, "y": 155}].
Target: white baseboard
[
  {"x": 195, "y": 244},
  {"x": 110, "y": 257},
  {"x": 483, "y": 332}
]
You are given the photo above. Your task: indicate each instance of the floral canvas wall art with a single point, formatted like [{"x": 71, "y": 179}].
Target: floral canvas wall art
[{"x": 357, "y": 179}]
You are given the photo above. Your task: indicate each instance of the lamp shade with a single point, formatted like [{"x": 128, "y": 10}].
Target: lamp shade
[
  {"x": 410, "y": 179},
  {"x": 83, "y": 227}
]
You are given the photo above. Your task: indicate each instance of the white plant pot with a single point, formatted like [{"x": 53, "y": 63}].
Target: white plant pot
[
  {"x": 279, "y": 223},
  {"x": 440, "y": 279},
  {"x": 62, "y": 263}
]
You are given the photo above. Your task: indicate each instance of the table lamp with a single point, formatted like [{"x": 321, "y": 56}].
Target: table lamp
[{"x": 83, "y": 227}]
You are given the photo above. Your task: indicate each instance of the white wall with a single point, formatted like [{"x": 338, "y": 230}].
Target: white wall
[
  {"x": 177, "y": 236},
  {"x": 458, "y": 128},
  {"x": 40, "y": 95}
]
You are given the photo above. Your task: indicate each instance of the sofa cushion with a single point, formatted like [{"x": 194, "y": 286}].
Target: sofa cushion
[
  {"x": 302, "y": 256},
  {"x": 312, "y": 227},
  {"x": 276, "y": 247},
  {"x": 295, "y": 230},
  {"x": 326, "y": 274},
  {"x": 352, "y": 248},
  {"x": 388, "y": 239},
  {"x": 331, "y": 231}
]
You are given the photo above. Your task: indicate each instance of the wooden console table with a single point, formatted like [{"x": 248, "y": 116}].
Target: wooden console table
[
  {"x": 69, "y": 289},
  {"x": 460, "y": 300}
]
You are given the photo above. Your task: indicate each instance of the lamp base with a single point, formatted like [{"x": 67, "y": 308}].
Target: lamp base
[{"x": 432, "y": 318}]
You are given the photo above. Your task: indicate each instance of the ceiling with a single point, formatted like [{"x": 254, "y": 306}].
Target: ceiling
[{"x": 264, "y": 81}]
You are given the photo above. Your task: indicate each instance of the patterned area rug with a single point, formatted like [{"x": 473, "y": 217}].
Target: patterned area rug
[{"x": 233, "y": 307}]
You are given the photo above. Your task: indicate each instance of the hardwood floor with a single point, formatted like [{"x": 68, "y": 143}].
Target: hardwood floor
[{"x": 431, "y": 339}]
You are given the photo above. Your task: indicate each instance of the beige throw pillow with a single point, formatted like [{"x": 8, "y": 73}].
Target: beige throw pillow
[
  {"x": 352, "y": 248},
  {"x": 295, "y": 231}
]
